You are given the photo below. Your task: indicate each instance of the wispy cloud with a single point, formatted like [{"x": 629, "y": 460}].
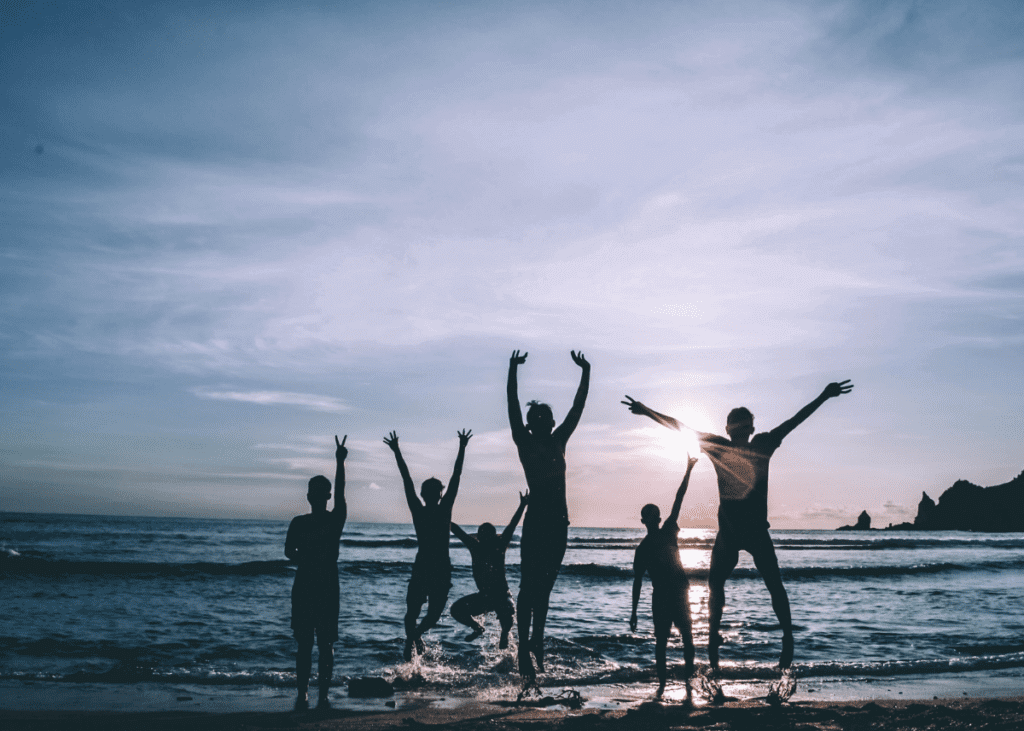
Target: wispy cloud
[{"x": 311, "y": 401}]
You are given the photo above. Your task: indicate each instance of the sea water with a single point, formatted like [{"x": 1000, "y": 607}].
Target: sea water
[{"x": 171, "y": 602}]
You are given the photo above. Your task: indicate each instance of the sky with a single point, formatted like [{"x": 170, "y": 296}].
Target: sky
[{"x": 230, "y": 231}]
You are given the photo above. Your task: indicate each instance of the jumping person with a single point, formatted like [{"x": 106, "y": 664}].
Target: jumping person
[
  {"x": 658, "y": 555},
  {"x": 546, "y": 526},
  {"x": 741, "y": 463},
  {"x": 312, "y": 543},
  {"x": 487, "y": 550},
  {"x": 432, "y": 569}
]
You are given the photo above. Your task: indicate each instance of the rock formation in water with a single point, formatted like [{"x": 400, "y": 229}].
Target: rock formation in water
[
  {"x": 863, "y": 523},
  {"x": 966, "y": 506}
]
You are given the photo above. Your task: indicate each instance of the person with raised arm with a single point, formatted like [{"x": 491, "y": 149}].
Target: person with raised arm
[
  {"x": 658, "y": 556},
  {"x": 432, "y": 570},
  {"x": 487, "y": 550},
  {"x": 546, "y": 527},
  {"x": 312, "y": 543},
  {"x": 741, "y": 464}
]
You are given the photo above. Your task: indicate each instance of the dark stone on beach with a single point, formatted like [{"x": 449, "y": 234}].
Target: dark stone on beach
[
  {"x": 370, "y": 688},
  {"x": 863, "y": 523}
]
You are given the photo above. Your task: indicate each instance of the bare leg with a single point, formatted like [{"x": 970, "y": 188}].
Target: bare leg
[
  {"x": 524, "y": 615},
  {"x": 660, "y": 662},
  {"x": 463, "y": 611},
  {"x": 435, "y": 608},
  {"x": 723, "y": 560},
  {"x": 506, "y": 626},
  {"x": 325, "y": 672},
  {"x": 768, "y": 565},
  {"x": 303, "y": 669},
  {"x": 412, "y": 613}
]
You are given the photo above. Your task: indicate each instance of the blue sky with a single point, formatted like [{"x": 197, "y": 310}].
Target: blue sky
[{"x": 231, "y": 231}]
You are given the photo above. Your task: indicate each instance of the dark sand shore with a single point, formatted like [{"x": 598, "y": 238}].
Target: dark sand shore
[{"x": 887, "y": 715}]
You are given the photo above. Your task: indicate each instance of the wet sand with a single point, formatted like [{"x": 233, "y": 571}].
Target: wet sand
[{"x": 1005, "y": 714}]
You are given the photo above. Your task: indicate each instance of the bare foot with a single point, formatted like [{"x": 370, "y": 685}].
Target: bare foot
[
  {"x": 407, "y": 653},
  {"x": 503, "y": 643}
]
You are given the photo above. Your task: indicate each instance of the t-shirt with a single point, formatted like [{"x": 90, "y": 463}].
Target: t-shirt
[
  {"x": 742, "y": 471},
  {"x": 489, "y": 567},
  {"x": 315, "y": 536},
  {"x": 658, "y": 555}
]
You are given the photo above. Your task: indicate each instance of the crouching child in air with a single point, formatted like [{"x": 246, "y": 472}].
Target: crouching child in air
[
  {"x": 658, "y": 555},
  {"x": 487, "y": 550}
]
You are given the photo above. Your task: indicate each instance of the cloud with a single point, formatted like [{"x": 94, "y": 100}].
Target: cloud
[{"x": 313, "y": 402}]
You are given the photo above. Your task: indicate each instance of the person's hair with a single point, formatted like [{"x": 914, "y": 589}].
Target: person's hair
[
  {"x": 433, "y": 484},
  {"x": 650, "y": 513},
  {"x": 536, "y": 410},
  {"x": 319, "y": 484},
  {"x": 487, "y": 529},
  {"x": 738, "y": 417}
]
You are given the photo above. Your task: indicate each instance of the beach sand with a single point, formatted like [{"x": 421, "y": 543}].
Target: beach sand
[{"x": 1006, "y": 714}]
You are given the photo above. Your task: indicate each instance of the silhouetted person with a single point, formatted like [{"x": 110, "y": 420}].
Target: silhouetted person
[
  {"x": 741, "y": 463},
  {"x": 658, "y": 556},
  {"x": 487, "y": 550},
  {"x": 432, "y": 569},
  {"x": 312, "y": 543},
  {"x": 546, "y": 527}
]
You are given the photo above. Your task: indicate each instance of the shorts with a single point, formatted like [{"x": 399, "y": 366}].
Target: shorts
[
  {"x": 672, "y": 607},
  {"x": 429, "y": 582},
  {"x": 315, "y": 611}
]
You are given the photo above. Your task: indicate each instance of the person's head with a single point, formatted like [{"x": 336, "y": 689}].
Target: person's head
[
  {"x": 430, "y": 491},
  {"x": 650, "y": 515},
  {"x": 539, "y": 419},
  {"x": 739, "y": 425},
  {"x": 318, "y": 492},
  {"x": 487, "y": 534}
]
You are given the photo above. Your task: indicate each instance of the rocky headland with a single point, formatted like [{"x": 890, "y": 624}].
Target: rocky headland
[{"x": 970, "y": 507}]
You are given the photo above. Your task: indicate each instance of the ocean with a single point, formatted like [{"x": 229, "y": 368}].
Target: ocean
[{"x": 191, "y": 608}]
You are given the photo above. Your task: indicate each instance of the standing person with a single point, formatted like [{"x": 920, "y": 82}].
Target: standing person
[
  {"x": 432, "y": 570},
  {"x": 658, "y": 555},
  {"x": 546, "y": 527},
  {"x": 487, "y": 550},
  {"x": 741, "y": 463},
  {"x": 312, "y": 543}
]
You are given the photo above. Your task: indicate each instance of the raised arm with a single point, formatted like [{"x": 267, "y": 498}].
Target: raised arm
[
  {"x": 831, "y": 391},
  {"x": 639, "y": 569},
  {"x": 461, "y": 534},
  {"x": 681, "y": 492},
  {"x": 638, "y": 408},
  {"x": 410, "y": 489},
  {"x": 340, "y": 506},
  {"x": 453, "y": 484},
  {"x": 572, "y": 419},
  {"x": 515, "y": 411},
  {"x": 510, "y": 529}
]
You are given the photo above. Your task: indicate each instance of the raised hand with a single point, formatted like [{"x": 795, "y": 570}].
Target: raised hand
[
  {"x": 578, "y": 359},
  {"x": 517, "y": 359},
  {"x": 690, "y": 462},
  {"x": 464, "y": 437},
  {"x": 392, "y": 441},
  {"x": 340, "y": 453},
  {"x": 635, "y": 406},
  {"x": 524, "y": 499},
  {"x": 835, "y": 389}
]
